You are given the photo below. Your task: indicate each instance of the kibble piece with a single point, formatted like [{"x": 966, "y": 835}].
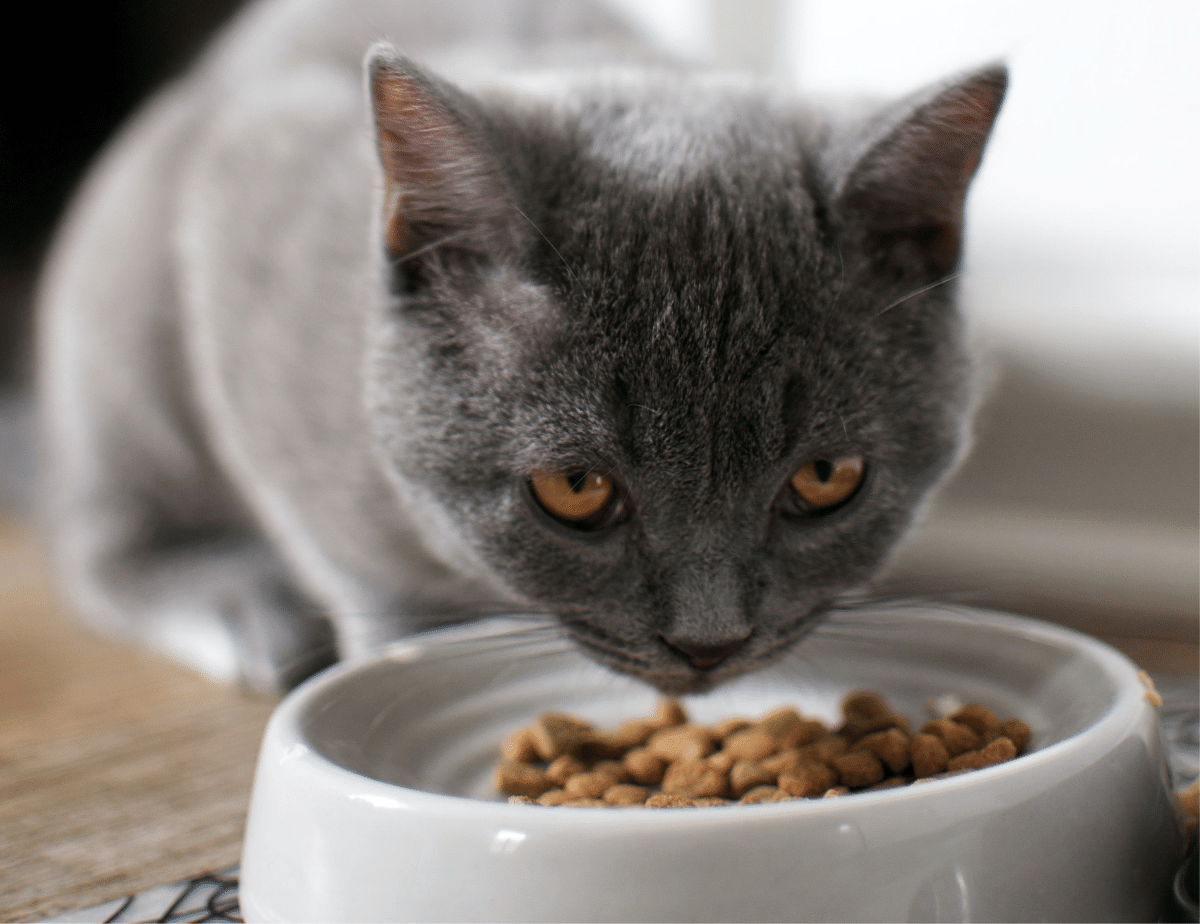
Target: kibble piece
[
  {"x": 584, "y": 802},
  {"x": 1015, "y": 731},
  {"x": 684, "y": 742},
  {"x": 750, "y": 744},
  {"x": 890, "y": 746},
  {"x": 668, "y": 713},
  {"x": 929, "y": 755},
  {"x": 825, "y": 749},
  {"x": 520, "y": 746},
  {"x": 939, "y": 776},
  {"x": 519, "y": 779},
  {"x": 555, "y": 734},
  {"x": 615, "y": 743},
  {"x": 631, "y": 734},
  {"x": 694, "y": 778},
  {"x": 893, "y": 782},
  {"x": 980, "y": 719},
  {"x": 590, "y": 785},
  {"x": 746, "y": 774},
  {"x": 644, "y": 767},
  {"x": 807, "y": 779},
  {"x": 783, "y": 761},
  {"x": 806, "y": 731},
  {"x": 668, "y": 800},
  {"x": 866, "y": 711},
  {"x": 520, "y": 800},
  {"x": 858, "y": 769},
  {"x": 852, "y": 731},
  {"x": 760, "y": 794},
  {"x": 614, "y": 769},
  {"x": 997, "y": 752},
  {"x": 724, "y": 729},
  {"x": 563, "y": 768},
  {"x": 1153, "y": 697},
  {"x": 626, "y": 794},
  {"x": 722, "y": 761},
  {"x": 553, "y": 797},
  {"x": 864, "y": 705},
  {"x": 777, "y": 724},
  {"x": 834, "y": 791},
  {"x": 705, "y": 801},
  {"x": 957, "y": 738}
]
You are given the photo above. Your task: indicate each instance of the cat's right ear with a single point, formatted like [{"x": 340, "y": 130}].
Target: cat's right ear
[
  {"x": 909, "y": 169},
  {"x": 442, "y": 189}
]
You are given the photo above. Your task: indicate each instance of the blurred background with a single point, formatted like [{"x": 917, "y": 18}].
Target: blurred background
[{"x": 1080, "y": 499}]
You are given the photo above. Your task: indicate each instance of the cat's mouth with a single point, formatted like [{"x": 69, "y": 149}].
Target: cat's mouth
[
  {"x": 676, "y": 673},
  {"x": 669, "y": 679}
]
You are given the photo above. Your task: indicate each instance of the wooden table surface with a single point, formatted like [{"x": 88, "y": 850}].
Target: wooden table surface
[{"x": 119, "y": 770}]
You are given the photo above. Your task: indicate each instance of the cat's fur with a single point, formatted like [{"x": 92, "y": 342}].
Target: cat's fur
[{"x": 304, "y": 343}]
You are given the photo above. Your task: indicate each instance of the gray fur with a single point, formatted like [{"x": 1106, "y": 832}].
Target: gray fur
[{"x": 274, "y": 433}]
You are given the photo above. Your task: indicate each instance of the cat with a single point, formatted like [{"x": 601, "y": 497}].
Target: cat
[{"x": 339, "y": 342}]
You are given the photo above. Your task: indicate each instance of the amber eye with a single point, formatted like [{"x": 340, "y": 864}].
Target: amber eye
[
  {"x": 573, "y": 496},
  {"x": 824, "y": 483}
]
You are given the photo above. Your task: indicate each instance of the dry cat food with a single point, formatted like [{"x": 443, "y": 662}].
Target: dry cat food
[{"x": 665, "y": 761}]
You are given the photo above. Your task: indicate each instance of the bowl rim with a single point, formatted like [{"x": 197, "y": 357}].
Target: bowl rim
[{"x": 286, "y": 730}]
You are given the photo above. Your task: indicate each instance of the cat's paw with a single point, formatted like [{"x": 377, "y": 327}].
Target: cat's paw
[{"x": 281, "y": 638}]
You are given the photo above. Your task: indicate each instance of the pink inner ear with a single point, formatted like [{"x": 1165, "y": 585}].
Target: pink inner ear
[
  {"x": 439, "y": 182},
  {"x": 918, "y": 175},
  {"x": 907, "y": 192},
  {"x": 961, "y": 122},
  {"x": 408, "y": 124}
]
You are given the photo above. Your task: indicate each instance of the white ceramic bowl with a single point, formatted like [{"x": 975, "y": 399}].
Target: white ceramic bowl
[{"x": 372, "y": 800}]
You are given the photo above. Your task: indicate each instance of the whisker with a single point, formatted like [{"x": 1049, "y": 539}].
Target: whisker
[
  {"x": 613, "y": 651},
  {"x": 920, "y": 291},
  {"x": 842, "y": 277},
  {"x": 433, "y": 245},
  {"x": 800, "y": 655},
  {"x": 574, "y": 278}
]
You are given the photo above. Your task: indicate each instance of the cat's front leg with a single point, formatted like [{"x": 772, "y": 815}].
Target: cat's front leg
[{"x": 218, "y": 601}]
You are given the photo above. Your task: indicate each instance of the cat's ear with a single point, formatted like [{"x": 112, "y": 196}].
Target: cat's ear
[
  {"x": 442, "y": 189},
  {"x": 905, "y": 190}
]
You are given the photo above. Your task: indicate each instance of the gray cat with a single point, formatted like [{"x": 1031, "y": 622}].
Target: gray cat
[{"x": 544, "y": 323}]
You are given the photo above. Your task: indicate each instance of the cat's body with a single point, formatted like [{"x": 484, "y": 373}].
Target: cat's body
[{"x": 307, "y": 349}]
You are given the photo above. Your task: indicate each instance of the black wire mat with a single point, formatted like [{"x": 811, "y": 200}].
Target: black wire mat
[{"x": 208, "y": 897}]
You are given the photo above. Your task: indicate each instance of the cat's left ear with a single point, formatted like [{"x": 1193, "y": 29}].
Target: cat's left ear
[
  {"x": 442, "y": 188},
  {"x": 905, "y": 190}
]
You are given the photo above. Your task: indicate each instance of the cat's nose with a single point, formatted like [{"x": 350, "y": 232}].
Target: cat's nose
[{"x": 707, "y": 653}]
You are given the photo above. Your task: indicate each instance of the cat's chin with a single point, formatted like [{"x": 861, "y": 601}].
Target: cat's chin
[
  {"x": 685, "y": 686},
  {"x": 670, "y": 675},
  {"x": 671, "y": 681},
  {"x": 668, "y": 680},
  {"x": 677, "y": 683}
]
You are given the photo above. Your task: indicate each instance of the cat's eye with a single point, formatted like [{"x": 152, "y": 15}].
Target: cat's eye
[
  {"x": 585, "y": 500},
  {"x": 823, "y": 484}
]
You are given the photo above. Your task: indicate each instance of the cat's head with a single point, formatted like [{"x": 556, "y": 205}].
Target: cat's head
[{"x": 674, "y": 358}]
